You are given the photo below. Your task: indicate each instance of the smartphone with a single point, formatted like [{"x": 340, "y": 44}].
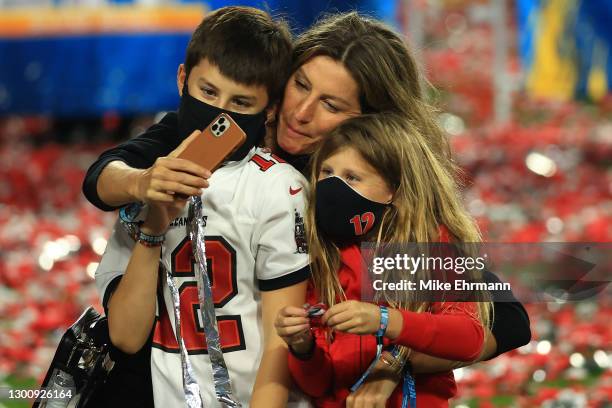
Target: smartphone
[{"x": 216, "y": 142}]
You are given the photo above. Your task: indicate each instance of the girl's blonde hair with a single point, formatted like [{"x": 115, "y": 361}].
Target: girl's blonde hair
[{"x": 426, "y": 197}]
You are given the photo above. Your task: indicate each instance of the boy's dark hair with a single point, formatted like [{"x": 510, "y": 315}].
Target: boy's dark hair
[{"x": 247, "y": 45}]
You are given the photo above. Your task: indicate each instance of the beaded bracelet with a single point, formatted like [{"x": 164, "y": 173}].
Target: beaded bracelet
[
  {"x": 394, "y": 363},
  {"x": 150, "y": 241}
]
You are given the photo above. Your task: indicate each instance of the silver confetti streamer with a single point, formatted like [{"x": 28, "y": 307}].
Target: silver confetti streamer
[
  {"x": 223, "y": 387},
  {"x": 190, "y": 384}
]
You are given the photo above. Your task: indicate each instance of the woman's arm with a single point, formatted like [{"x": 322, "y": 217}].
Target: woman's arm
[
  {"x": 510, "y": 321},
  {"x": 273, "y": 380},
  {"x": 424, "y": 364},
  {"x": 437, "y": 334},
  {"x": 510, "y": 330},
  {"x": 137, "y": 153},
  {"x": 168, "y": 176},
  {"x": 376, "y": 389},
  {"x": 142, "y": 170}
]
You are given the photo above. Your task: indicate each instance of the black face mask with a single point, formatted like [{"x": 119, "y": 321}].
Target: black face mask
[
  {"x": 194, "y": 114},
  {"x": 342, "y": 213}
]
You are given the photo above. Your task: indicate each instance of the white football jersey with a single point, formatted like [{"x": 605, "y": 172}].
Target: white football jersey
[{"x": 255, "y": 241}]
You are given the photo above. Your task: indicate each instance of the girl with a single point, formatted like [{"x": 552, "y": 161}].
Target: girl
[{"x": 377, "y": 164}]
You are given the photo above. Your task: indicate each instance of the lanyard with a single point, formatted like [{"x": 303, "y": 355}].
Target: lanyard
[
  {"x": 408, "y": 390},
  {"x": 384, "y": 320},
  {"x": 408, "y": 386}
]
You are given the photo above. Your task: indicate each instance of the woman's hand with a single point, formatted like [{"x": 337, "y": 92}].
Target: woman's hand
[
  {"x": 170, "y": 178},
  {"x": 376, "y": 389},
  {"x": 353, "y": 317},
  {"x": 292, "y": 325}
]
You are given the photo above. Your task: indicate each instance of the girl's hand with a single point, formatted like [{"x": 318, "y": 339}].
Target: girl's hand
[
  {"x": 354, "y": 317},
  {"x": 292, "y": 325}
]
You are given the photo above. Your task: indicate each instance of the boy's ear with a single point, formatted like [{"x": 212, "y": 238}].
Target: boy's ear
[{"x": 180, "y": 78}]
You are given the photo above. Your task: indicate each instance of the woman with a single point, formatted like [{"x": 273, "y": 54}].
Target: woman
[{"x": 344, "y": 66}]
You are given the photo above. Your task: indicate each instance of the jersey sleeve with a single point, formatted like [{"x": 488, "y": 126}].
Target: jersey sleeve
[
  {"x": 140, "y": 152},
  {"x": 114, "y": 262},
  {"x": 280, "y": 239}
]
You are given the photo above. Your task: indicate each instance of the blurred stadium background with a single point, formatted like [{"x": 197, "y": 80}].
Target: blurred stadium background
[{"x": 525, "y": 90}]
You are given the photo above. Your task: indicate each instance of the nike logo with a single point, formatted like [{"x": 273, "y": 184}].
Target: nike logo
[{"x": 294, "y": 191}]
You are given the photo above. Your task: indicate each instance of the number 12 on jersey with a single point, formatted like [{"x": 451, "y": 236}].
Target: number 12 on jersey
[{"x": 221, "y": 264}]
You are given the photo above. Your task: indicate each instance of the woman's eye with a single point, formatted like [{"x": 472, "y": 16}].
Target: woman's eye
[
  {"x": 300, "y": 84},
  {"x": 330, "y": 107}
]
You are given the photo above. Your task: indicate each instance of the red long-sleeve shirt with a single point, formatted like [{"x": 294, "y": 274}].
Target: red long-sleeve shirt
[{"x": 450, "y": 331}]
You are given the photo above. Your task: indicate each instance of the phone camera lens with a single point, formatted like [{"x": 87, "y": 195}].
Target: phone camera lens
[
  {"x": 221, "y": 128},
  {"x": 221, "y": 120},
  {"x": 214, "y": 127}
]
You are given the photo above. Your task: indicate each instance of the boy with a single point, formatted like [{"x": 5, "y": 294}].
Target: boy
[{"x": 237, "y": 61}]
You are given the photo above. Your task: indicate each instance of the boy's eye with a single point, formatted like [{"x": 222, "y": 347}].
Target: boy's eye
[
  {"x": 242, "y": 103},
  {"x": 208, "y": 91}
]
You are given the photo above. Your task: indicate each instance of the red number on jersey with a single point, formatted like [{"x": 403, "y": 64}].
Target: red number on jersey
[
  {"x": 265, "y": 164},
  {"x": 221, "y": 262}
]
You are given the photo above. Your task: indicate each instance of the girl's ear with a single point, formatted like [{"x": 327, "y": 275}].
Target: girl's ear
[{"x": 392, "y": 195}]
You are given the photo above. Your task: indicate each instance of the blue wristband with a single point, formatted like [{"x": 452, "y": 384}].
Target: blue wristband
[
  {"x": 384, "y": 321},
  {"x": 128, "y": 213}
]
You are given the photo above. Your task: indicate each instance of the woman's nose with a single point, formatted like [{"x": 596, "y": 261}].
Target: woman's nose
[{"x": 305, "y": 110}]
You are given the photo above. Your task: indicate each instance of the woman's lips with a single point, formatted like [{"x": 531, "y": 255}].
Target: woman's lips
[{"x": 292, "y": 132}]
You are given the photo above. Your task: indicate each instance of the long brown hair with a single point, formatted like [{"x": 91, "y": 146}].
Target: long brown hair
[
  {"x": 383, "y": 67},
  {"x": 426, "y": 196}
]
